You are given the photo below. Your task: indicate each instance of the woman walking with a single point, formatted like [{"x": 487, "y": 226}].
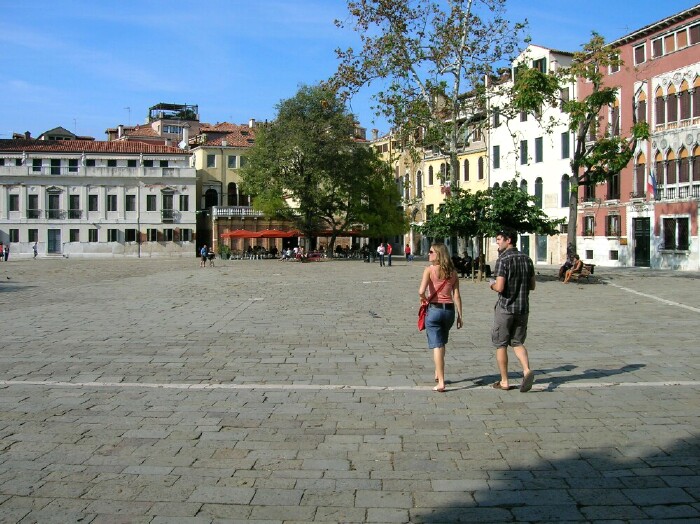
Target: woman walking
[{"x": 439, "y": 288}]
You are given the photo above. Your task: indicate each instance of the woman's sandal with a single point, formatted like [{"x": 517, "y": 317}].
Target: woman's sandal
[{"x": 497, "y": 385}]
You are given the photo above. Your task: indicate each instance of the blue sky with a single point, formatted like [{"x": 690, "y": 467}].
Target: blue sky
[{"x": 88, "y": 65}]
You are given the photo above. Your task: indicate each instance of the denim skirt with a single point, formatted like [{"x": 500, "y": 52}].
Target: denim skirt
[{"x": 437, "y": 326}]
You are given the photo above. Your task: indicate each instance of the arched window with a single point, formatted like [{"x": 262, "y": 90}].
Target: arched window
[
  {"x": 430, "y": 176},
  {"x": 659, "y": 171},
  {"x": 695, "y": 164},
  {"x": 671, "y": 105},
  {"x": 640, "y": 176},
  {"x": 419, "y": 184},
  {"x": 684, "y": 101},
  {"x": 232, "y": 194},
  {"x": 642, "y": 107},
  {"x": 615, "y": 118},
  {"x": 696, "y": 98},
  {"x": 683, "y": 166},
  {"x": 660, "y": 107},
  {"x": 538, "y": 192},
  {"x": 565, "y": 190},
  {"x": 406, "y": 186},
  {"x": 480, "y": 168},
  {"x": 443, "y": 173},
  {"x": 496, "y": 185},
  {"x": 523, "y": 186},
  {"x": 211, "y": 198},
  {"x": 466, "y": 170},
  {"x": 671, "y": 168}
]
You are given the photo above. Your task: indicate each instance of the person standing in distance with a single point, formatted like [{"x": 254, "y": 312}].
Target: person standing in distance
[
  {"x": 439, "y": 288},
  {"x": 514, "y": 279},
  {"x": 388, "y": 250}
]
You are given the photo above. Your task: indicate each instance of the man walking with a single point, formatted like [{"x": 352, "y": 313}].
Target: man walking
[
  {"x": 515, "y": 278},
  {"x": 388, "y": 253}
]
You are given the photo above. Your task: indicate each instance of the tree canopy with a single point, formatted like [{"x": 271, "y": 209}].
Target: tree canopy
[
  {"x": 308, "y": 167},
  {"x": 485, "y": 213},
  {"x": 430, "y": 58}
]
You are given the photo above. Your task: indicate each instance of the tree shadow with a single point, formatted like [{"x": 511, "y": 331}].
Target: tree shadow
[
  {"x": 8, "y": 286},
  {"x": 588, "y": 485}
]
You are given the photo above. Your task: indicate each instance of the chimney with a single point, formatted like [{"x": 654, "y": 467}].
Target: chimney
[
  {"x": 251, "y": 123},
  {"x": 375, "y": 134},
  {"x": 120, "y": 130},
  {"x": 168, "y": 142},
  {"x": 27, "y": 135},
  {"x": 224, "y": 143},
  {"x": 185, "y": 143}
]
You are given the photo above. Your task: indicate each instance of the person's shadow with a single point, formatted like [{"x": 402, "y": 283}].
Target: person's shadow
[{"x": 541, "y": 376}]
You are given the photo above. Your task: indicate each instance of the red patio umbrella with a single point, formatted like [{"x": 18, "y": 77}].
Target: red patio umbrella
[{"x": 240, "y": 233}]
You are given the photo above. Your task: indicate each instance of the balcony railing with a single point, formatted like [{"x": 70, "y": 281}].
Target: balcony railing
[
  {"x": 34, "y": 213},
  {"x": 55, "y": 214},
  {"x": 638, "y": 194},
  {"x": 169, "y": 215},
  {"x": 75, "y": 213},
  {"x": 235, "y": 211}
]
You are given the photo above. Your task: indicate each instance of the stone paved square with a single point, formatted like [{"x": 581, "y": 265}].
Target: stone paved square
[{"x": 157, "y": 391}]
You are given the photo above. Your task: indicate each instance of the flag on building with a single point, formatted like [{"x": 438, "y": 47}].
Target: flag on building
[{"x": 651, "y": 185}]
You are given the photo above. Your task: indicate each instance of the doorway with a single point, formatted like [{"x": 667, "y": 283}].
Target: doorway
[
  {"x": 54, "y": 241},
  {"x": 642, "y": 241}
]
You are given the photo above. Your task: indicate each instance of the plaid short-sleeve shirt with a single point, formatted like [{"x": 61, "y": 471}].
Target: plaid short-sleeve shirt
[{"x": 517, "y": 269}]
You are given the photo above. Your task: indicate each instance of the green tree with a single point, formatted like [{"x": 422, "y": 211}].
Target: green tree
[
  {"x": 426, "y": 55},
  {"x": 306, "y": 166},
  {"x": 598, "y": 154}
]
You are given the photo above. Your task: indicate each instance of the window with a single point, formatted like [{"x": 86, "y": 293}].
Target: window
[
  {"x": 694, "y": 34},
  {"x": 523, "y": 152},
  {"x": 173, "y": 130},
  {"x": 232, "y": 164},
  {"x": 657, "y": 48},
  {"x": 2, "y": 161},
  {"x": 33, "y": 235},
  {"x": 163, "y": 163},
  {"x": 92, "y": 235},
  {"x": 14, "y": 235},
  {"x": 660, "y": 107},
  {"x": 14, "y": 202},
  {"x": 111, "y": 163},
  {"x": 131, "y": 163},
  {"x": 565, "y": 190},
  {"x": 496, "y": 117},
  {"x": 640, "y": 54},
  {"x": 148, "y": 163},
  {"x": 72, "y": 165},
  {"x": 523, "y": 116},
  {"x": 496, "y": 161},
  {"x": 74, "y": 206},
  {"x": 565, "y": 144},
  {"x": 150, "y": 202},
  {"x": 538, "y": 192},
  {"x": 684, "y": 102},
  {"x": 112, "y": 235},
  {"x": 111, "y": 202},
  {"x": 430, "y": 176},
  {"x": 614, "y": 187},
  {"x": 615, "y": 119},
  {"x": 419, "y": 184},
  {"x": 480, "y": 168},
  {"x": 523, "y": 186},
  {"x": 55, "y": 166},
  {"x": 676, "y": 233},
  {"x": 92, "y": 203},
  {"x": 152, "y": 235},
  {"x": 640, "y": 177},
  {"x": 429, "y": 211},
  {"x": 641, "y": 109},
  {"x": 671, "y": 106},
  {"x": 130, "y": 235},
  {"x": 538, "y": 149},
  {"x": 614, "y": 254},
  {"x": 564, "y": 97},
  {"x": 36, "y": 164},
  {"x": 612, "y": 226},
  {"x": 588, "y": 225},
  {"x": 244, "y": 160},
  {"x": 589, "y": 254},
  {"x": 186, "y": 235},
  {"x": 74, "y": 235},
  {"x": 211, "y": 160},
  {"x": 130, "y": 203},
  {"x": 184, "y": 202},
  {"x": 168, "y": 235},
  {"x": 540, "y": 65},
  {"x": 32, "y": 206},
  {"x": 90, "y": 162}
]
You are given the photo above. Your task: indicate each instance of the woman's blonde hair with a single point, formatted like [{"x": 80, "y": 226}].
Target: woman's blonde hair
[{"x": 442, "y": 260}]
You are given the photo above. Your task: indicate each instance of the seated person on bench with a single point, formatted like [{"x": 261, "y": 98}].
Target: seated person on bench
[{"x": 576, "y": 269}]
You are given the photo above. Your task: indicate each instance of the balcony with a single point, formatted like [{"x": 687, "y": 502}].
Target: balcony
[
  {"x": 55, "y": 214},
  {"x": 641, "y": 195},
  {"x": 34, "y": 213},
  {"x": 235, "y": 211},
  {"x": 74, "y": 214},
  {"x": 169, "y": 215}
]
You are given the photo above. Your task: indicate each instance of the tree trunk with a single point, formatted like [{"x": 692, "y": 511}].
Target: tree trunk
[{"x": 573, "y": 217}]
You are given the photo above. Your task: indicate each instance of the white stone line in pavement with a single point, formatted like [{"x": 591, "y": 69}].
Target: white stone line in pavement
[
  {"x": 654, "y": 297},
  {"x": 540, "y": 386}
]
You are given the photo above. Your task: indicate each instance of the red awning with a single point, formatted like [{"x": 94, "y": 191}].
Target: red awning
[{"x": 240, "y": 233}]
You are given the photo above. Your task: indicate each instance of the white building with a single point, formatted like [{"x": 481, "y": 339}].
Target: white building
[
  {"x": 102, "y": 199},
  {"x": 539, "y": 159}
]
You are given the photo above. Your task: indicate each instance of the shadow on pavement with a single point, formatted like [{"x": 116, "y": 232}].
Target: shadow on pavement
[{"x": 636, "y": 483}]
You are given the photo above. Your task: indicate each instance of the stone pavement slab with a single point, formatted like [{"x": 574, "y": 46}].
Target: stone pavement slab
[{"x": 156, "y": 391}]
